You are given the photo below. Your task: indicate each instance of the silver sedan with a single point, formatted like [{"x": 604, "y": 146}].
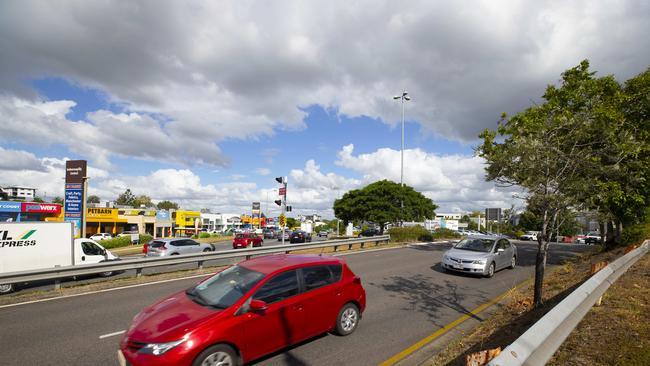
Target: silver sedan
[
  {"x": 481, "y": 255},
  {"x": 176, "y": 246}
]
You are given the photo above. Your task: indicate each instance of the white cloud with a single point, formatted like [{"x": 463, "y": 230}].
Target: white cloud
[
  {"x": 243, "y": 69},
  {"x": 263, "y": 171},
  {"x": 453, "y": 182},
  {"x": 11, "y": 160}
]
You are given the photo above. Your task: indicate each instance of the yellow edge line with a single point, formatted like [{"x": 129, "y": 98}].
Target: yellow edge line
[{"x": 405, "y": 353}]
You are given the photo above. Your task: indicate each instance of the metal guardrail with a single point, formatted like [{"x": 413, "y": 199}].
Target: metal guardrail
[
  {"x": 149, "y": 262},
  {"x": 538, "y": 344}
]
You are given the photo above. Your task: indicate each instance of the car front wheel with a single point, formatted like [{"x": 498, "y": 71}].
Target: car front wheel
[
  {"x": 490, "y": 271},
  {"x": 347, "y": 320},
  {"x": 513, "y": 262},
  {"x": 6, "y": 288},
  {"x": 217, "y": 355}
]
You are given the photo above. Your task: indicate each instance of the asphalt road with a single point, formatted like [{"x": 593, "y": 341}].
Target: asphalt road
[{"x": 408, "y": 297}]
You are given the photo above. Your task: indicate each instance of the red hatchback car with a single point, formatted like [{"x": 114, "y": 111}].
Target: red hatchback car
[
  {"x": 245, "y": 240},
  {"x": 247, "y": 311}
]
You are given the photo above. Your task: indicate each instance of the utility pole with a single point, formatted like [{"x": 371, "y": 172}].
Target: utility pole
[{"x": 403, "y": 97}]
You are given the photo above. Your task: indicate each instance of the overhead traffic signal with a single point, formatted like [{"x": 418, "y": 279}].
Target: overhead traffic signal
[
  {"x": 288, "y": 208},
  {"x": 278, "y": 202}
]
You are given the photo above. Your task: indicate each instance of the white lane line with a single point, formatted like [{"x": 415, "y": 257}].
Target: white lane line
[
  {"x": 105, "y": 290},
  {"x": 111, "y": 334}
]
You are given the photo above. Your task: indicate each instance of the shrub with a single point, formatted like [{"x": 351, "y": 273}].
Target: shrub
[
  {"x": 123, "y": 241},
  {"x": 408, "y": 234},
  {"x": 635, "y": 234},
  {"x": 145, "y": 238},
  {"x": 204, "y": 235},
  {"x": 444, "y": 233}
]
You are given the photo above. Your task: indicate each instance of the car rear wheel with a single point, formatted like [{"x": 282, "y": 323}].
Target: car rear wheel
[
  {"x": 206, "y": 250},
  {"x": 217, "y": 355},
  {"x": 347, "y": 320},
  {"x": 6, "y": 288},
  {"x": 513, "y": 262},
  {"x": 490, "y": 272},
  {"x": 106, "y": 274}
]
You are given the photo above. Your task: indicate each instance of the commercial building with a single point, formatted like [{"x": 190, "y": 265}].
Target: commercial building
[
  {"x": 11, "y": 211},
  {"x": 19, "y": 193},
  {"x": 186, "y": 222}
]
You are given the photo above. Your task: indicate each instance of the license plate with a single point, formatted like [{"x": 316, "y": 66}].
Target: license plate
[{"x": 457, "y": 266}]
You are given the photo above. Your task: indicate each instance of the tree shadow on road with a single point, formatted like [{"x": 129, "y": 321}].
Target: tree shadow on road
[{"x": 425, "y": 296}]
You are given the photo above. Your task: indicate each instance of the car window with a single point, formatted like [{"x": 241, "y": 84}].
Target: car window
[
  {"x": 316, "y": 277},
  {"x": 336, "y": 269},
  {"x": 475, "y": 244},
  {"x": 157, "y": 244},
  {"x": 226, "y": 287},
  {"x": 191, "y": 242},
  {"x": 90, "y": 248},
  {"x": 506, "y": 244},
  {"x": 280, "y": 287}
]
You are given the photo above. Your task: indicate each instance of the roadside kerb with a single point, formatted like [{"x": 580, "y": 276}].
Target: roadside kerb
[
  {"x": 140, "y": 263},
  {"x": 538, "y": 344}
]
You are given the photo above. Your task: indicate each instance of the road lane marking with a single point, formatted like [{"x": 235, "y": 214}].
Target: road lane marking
[
  {"x": 428, "y": 339},
  {"x": 112, "y": 334}
]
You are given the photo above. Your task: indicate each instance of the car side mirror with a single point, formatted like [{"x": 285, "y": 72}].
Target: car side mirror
[{"x": 257, "y": 306}]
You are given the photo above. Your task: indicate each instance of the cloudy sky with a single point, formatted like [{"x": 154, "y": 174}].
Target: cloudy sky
[{"x": 204, "y": 103}]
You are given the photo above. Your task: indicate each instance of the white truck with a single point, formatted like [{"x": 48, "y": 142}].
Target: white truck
[
  {"x": 306, "y": 227},
  {"x": 26, "y": 246}
]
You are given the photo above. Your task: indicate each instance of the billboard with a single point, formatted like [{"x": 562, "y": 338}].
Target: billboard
[
  {"x": 8, "y": 206},
  {"x": 75, "y": 196},
  {"x": 35, "y": 207},
  {"x": 101, "y": 214},
  {"x": 493, "y": 214}
]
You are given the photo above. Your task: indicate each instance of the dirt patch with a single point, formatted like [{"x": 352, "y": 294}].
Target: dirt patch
[
  {"x": 618, "y": 331},
  {"x": 514, "y": 315}
]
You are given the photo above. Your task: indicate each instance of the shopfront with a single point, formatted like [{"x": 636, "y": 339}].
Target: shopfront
[
  {"x": 28, "y": 211},
  {"x": 186, "y": 223},
  {"x": 104, "y": 220}
]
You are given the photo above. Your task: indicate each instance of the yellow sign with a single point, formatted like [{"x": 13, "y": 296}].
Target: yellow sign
[
  {"x": 283, "y": 220},
  {"x": 186, "y": 218},
  {"x": 101, "y": 214}
]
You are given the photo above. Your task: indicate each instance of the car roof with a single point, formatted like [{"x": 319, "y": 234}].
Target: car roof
[
  {"x": 271, "y": 263},
  {"x": 484, "y": 236}
]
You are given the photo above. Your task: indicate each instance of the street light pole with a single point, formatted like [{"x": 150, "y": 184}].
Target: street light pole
[{"x": 403, "y": 97}]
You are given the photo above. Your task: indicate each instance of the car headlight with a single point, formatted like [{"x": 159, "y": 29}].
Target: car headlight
[
  {"x": 479, "y": 261},
  {"x": 158, "y": 349}
]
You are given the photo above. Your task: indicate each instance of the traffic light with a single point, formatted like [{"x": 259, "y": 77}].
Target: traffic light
[
  {"x": 288, "y": 208},
  {"x": 278, "y": 202},
  {"x": 278, "y": 179}
]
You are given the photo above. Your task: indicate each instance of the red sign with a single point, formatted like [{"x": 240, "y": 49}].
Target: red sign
[
  {"x": 283, "y": 191},
  {"x": 35, "y": 207}
]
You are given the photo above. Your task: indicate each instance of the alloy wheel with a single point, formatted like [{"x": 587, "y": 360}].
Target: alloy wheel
[
  {"x": 349, "y": 319},
  {"x": 218, "y": 359}
]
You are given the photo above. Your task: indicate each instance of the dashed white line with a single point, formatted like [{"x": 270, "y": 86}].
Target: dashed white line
[{"x": 111, "y": 334}]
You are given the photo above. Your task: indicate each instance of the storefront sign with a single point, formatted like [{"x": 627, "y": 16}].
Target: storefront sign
[
  {"x": 75, "y": 177},
  {"x": 75, "y": 171},
  {"x": 51, "y": 208},
  {"x": 8, "y": 206},
  {"x": 101, "y": 214},
  {"x": 162, "y": 215}
]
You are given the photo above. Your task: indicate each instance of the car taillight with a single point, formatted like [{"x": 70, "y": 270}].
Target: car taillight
[
  {"x": 357, "y": 280},
  {"x": 145, "y": 248}
]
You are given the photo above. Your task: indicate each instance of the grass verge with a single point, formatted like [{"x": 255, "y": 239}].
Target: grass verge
[{"x": 514, "y": 315}]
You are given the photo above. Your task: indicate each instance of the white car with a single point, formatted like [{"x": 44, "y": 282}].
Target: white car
[
  {"x": 530, "y": 235},
  {"x": 101, "y": 236}
]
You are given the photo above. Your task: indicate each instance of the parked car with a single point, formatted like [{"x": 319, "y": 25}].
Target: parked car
[
  {"x": 101, "y": 236},
  {"x": 369, "y": 232},
  {"x": 594, "y": 237},
  {"x": 481, "y": 255},
  {"x": 246, "y": 240},
  {"x": 175, "y": 246},
  {"x": 246, "y": 312},
  {"x": 322, "y": 233},
  {"x": 530, "y": 235},
  {"x": 269, "y": 234},
  {"x": 299, "y": 237},
  {"x": 287, "y": 235}
]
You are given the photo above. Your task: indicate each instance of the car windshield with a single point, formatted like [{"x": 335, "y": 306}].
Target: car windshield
[
  {"x": 225, "y": 288},
  {"x": 475, "y": 244},
  {"x": 157, "y": 244}
]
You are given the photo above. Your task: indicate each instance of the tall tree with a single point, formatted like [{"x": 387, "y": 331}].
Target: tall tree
[
  {"x": 58, "y": 200},
  {"x": 93, "y": 199},
  {"x": 126, "y": 199},
  {"x": 166, "y": 205},
  {"x": 37, "y": 199},
  {"x": 143, "y": 200},
  {"x": 381, "y": 203},
  {"x": 548, "y": 149}
]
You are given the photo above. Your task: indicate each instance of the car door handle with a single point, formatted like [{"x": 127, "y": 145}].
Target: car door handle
[
  {"x": 297, "y": 307},
  {"x": 83, "y": 257}
]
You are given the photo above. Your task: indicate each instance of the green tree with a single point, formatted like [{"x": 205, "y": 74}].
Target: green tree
[
  {"x": 381, "y": 202},
  {"x": 37, "y": 199},
  {"x": 126, "y": 199},
  {"x": 549, "y": 148},
  {"x": 58, "y": 200},
  {"x": 143, "y": 200},
  {"x": 291, "y": 222},
  {"x": 166, "y": 205},
  {"x": 93, "y": 199}
]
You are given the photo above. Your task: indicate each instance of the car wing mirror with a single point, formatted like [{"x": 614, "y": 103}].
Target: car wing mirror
[{"x": 257, "y": 306}]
